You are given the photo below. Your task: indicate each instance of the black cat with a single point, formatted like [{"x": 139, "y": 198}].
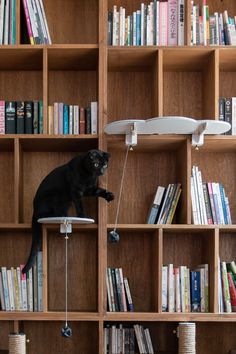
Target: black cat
[{"x": 63, "y": 186}]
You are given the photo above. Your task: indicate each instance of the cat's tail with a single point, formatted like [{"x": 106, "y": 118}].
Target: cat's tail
[{"x": 36, "y": 244}]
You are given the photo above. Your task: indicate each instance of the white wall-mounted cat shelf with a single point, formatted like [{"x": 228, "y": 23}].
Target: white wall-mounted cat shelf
[{"x": 167, "y": 125}]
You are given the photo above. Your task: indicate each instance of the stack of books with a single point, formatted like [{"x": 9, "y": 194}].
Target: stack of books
[
  {"x": 164, "y": 205},
  {"x": 227, "y": 286},
  {"x": 21, "y": 117},
  {"x": 36, "y": 22},
  {"x": 210, "y": 205},
  {"x": 185, "y": 290},
  {"x": 72, "y": 119},
  {"x": 211, "y": 29},
  {"x": 158, "y": 23},
  {"x": 227, "y": 112},
  {"x": 22, "y": 292},
  {"x": 127, "y": 340},
  {"x": 118, "y": 291},
  {"x": 8, "y": 22}
]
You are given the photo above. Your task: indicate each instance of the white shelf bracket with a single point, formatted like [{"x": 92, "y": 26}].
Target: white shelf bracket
[
  {"x": 131, "y": 135},
  {"x": 198, "y": 135}
]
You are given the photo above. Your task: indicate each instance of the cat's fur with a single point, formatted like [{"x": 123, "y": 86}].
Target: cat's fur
[{"x": 63, "y": 186}]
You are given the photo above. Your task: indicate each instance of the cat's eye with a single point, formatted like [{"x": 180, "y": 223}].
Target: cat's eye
[
  {"x": 96, "y": 164},
  {"x": 105, "y": 166}
]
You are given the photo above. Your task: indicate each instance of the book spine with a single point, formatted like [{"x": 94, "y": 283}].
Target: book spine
[
  {"x": 226, "y": 294},
  {"x": 29, "y": 117},
  {"x": 35, "y": 117},
  {"x": 195, "y": 291},
  {"x": 94, "y": 117},
  {"x": 65, "y": 119},
  {"x": 82, "y": 121},
  {"x": 164, "y": 288},
  {"x": 40, "y": 279},
  {"x": 2, "y": 117},
  {"x": 181, "y": 21},
  {"x": 128, "y": 295},
  {"x": 20, "y": 117},
  {"x": 171, "y": 289},
  {"x": 10, "y": 116},
  {"x": 24, "y": 290},
  {"x": 60, "y": 118},
  {"x": 5, "y": 288},
  {"x": 40, "y": 117},
  {"x": 172, "y": 22}
]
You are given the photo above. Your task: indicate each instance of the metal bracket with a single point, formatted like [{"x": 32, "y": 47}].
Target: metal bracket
[
  {"x": 131, "y": 136},
  {"x": 198, "y": 135},
  {"x": 66, "y": 227}
]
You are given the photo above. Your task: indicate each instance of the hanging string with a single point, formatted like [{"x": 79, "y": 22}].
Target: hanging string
[
  {"x": 121, "y": 186},
  {"x": 66, "y": 279}
]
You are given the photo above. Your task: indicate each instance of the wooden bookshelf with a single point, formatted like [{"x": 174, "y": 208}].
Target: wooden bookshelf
[{"x": 127, "y": 82}]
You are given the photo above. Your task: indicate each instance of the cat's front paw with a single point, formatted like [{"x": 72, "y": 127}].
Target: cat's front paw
[{"x": 109, "y": 196}]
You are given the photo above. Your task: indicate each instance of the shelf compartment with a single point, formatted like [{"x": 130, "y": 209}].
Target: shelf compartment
[
  {"x": 159, "y": 166},
  {"x": 191, "y": 248},
  {"x": 133, "y": 76},
  {"x": 75, "y": 69},
  {"x": 50, "y": 333},
  {"x": 82, "y": 250},
  {"x": 7, "y": 210},
  {"x": 21, "y": 74},
  {"x": 219, "y": 165},
  {"x": 15, "y": 246},
  {"x": 189, "y": 82},
  {"x": 140, "y": 267},
  {"x": 32, "y": 177},
  {"x": 227, "y": 72},
  {"x": 6, "y": 328},
  {"x": 227, "y": 246}
]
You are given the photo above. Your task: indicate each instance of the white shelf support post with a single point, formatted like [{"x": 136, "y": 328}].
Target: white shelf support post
[{"x": 198, "y": 135}]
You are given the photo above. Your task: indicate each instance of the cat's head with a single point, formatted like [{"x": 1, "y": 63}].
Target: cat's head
[{"x": 97, "y": 161}]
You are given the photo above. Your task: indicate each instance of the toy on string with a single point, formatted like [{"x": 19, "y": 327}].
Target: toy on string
[{"x": 66, "y": 228}]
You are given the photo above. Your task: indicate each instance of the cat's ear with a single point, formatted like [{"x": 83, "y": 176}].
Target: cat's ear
[
  {"x": 106, "y": 155},
  {"x": 92, "y": 154}
]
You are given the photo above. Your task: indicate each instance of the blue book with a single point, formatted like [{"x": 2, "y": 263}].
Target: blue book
[
  {"x": 138, "y": 27},
  {"x": 195, "y": 291},
  {"x": 65, "y": 119}
]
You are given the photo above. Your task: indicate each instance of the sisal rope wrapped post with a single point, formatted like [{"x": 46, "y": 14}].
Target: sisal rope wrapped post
[
  {"x": 17, "y": 343},
  {"x": 186, "y": 333}
]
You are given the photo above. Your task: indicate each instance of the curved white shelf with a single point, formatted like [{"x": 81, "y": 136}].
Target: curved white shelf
[
  {"x": 167, "y": 125},
  {"x": 65, "y": 222}
]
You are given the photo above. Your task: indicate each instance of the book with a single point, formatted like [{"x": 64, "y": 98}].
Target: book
[
  {"x": 2, "y": 117},
  {"x": 29, "y": 117},
  {"x": 10, "y": 117},
  {"x": 156, "y": 205},
  {"x": 20, "y": 117}
]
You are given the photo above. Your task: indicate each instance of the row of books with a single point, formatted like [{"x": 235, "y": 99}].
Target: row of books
[
  {"x": 227, "y": 286},
  {"x": 210, "y": 205},
  {"x": 227, "y": 112},
  {"x": 158, "y": 23},
  {"x": 118, "y": 291},
  {"x": 36, "y": 22},
  {"x": 8, "y": 22},
  {"x": 21, "y": 117},
  {"x": 72, "y": 119},
  {"x": 185, "y": 290},
  {"x": 214, "y": 29},
  {"x": 164, "y": 205},
  {"x": 136, "y": 339},
  {"x": 22, "y": 292}
]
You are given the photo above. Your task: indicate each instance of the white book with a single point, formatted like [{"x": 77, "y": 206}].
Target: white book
[
  {"x": 151, "y": 23},
  {"x": 45, "y": 21},
  {"x": 202, "y": 201},
  {"x": 172, "y": 22},
  {"x": 217, "y": 27},
  {"x": 76, "y": 119},
  {"x": 94, "y": 117},
  {"x": 40, "y": 280},
  {"x": 194, "y": 25},
  {"x": 134, "y": 29},
  {"x": 204, "y": 20},
  {"x": 113, "y": 307},
  {"x": 157, "y": 20},
  {"x": 71, "y": 119},
  {"x": 148, "y": 31},
  {"x": 33, "y": 21},
  {"x": 142, "y": 11},
  {"x": 6, "y": 22},
  {"x": 181, "y": 21},
  {"x": 218, "y": 204},
  {"x": 182, "y": 288},
  {"x": 149, "y": 341},
  {"x": 225, "y": 288},
  {"x": 108, "y": 292},
  {"x": 5, "y": 288},
  {"x": 114, "y": 26},
  {"x": 122, "y": 289},
  {"x": 194, "y": 203},
  {"x": 177, "y": 290},
  {"x": 11, "y": 290},
  {"x": 2, "y": 9},
  {"x": 55, "y": 117},
  {"x": 171, "y": 289},
  {"x": 164, "y": 288},
  {"x": 3, "y": 306},
  {"x": 42, "y": 24},
  {"x": 121, "y": 26},
  {"x": 233, "y": 124}
]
